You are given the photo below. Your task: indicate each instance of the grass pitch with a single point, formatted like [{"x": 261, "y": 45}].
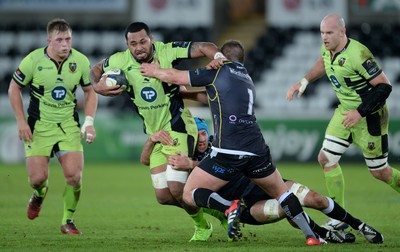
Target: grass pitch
[{"x": 118, "y": 212}]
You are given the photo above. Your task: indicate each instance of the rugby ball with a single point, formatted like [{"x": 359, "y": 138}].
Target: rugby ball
[{"x": 116, "y": 77}]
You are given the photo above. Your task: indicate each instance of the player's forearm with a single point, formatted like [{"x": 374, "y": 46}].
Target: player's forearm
[
  {"x": 14, "y": 94},
  {"x": 90, "y": 102},
  {"x": 317, "y": 71},
  {"x": 147, "y": 149},
  {"x": 201, "y": 49},
  {"x": 195, "y": 95},
  {"x": 96, "y": 72},
  {"x": 172, "y": 76}
]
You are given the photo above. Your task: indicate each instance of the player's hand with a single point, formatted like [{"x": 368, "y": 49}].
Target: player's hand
[
  {"x": 292, "y": 90},
  {"x": 101, "y": 88},
  {"x": 180, "y": 161},
  {"x": 162, "y": 137},
  {"x": 351, "y": 118},
  {"x": 88, "y": 131},
  {"x": 150, "y": 69},
  {"x": 216, "y": 63},
  {"x": 24, "y": 131}
]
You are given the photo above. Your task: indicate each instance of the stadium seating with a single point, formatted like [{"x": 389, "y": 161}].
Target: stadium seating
[{"x": 279, "y": 58}]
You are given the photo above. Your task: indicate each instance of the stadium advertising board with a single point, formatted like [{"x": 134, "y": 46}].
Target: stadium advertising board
[
  {"x": 182, "y": 13},
  {"x": 121, "y": 138},
  {"x": 63, "y": 5},
  {"x": 304, "y": 13}
]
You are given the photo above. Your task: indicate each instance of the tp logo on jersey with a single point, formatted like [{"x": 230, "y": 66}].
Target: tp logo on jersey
[
  {"x": 58, "y": 93},
  {"x": 148, "y": 94}
]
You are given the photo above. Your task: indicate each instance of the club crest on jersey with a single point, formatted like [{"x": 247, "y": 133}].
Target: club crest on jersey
[
  {"x": 371, "y": 146},
  {"x": 148, "y": 94},
  {"x": 72, "y": 67},
  {"x": 176, "y": 142},
  {"x": 341, "y": 61}
]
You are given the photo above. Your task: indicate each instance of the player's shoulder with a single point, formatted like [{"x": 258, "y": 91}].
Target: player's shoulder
[
  {"x": 36, "y": 53},
  {"x": 118, "y": 59},
  {"x": 79, "y": 55},
  {"x": 356, "y": 46}
]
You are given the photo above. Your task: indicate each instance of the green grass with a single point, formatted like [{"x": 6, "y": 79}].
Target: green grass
[{"x": 118, "y": 212}]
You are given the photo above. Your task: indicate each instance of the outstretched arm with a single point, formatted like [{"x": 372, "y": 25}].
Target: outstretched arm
[
  {"x": 315, "y": 73},
  {"x": 169, "y": 75}
]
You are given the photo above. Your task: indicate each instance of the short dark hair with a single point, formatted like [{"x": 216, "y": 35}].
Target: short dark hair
[
  {"x": 136, "y": 27},
  {"x": 58, "y": 24},
  {"x": 233, "y": 50}
]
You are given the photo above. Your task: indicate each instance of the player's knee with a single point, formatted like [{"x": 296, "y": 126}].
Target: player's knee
[
  {"x": 327, "y": 159},
  {"x": 316, "y": 201}
]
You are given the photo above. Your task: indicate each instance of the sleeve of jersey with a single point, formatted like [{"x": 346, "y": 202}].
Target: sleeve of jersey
[
  {"x": 86, "y": 72},
  {"x": 179, "y": 49},
  {"x": 366, "y": 65},
  {"x": 23, "y": 75},
  {"x": 202, "y": 77}
]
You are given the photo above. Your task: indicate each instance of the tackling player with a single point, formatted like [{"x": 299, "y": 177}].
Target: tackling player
[{"x": 258, "y": 207}]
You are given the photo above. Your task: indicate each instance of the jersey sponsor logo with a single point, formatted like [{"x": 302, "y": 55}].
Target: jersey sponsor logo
[
  {"x": 218, "y": 169},
  {"x": 182, "y": 44},
  {"x": 72, "y": 67},
  {"x": 148, "y": 94},
  {"x": 40, "y": 68},
  {"x": 59, "y": 93},
  {"x": 334, "y": 81},
  {"x": 232, "y": 118},
  {"x": 371, "y": 66}
]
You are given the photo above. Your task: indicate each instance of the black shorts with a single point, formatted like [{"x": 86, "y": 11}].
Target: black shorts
[{"x": 225, "y": 166}]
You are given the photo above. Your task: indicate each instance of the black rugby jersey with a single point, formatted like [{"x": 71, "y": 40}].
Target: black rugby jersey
[{"x": 231, "y": 96}]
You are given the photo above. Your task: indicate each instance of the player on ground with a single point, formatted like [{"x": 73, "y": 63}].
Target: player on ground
[
  {"x": 161, "y": 107},
  {"x": 53, "y": 74},
  {"x": 361, "y": 118},
  {"x": 260, "y": 208}
]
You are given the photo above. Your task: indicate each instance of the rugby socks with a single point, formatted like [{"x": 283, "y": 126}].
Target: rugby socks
[
  {"x": 215, "y": 213},
  {"x": 335, "y": 211},
  {"x": 335, "y": 184},
  {"x": 292, "y": 207},
  {"x": 394, "y": 181},
  {"x": 40, "y": 191},
  {"x": 199, "y": 220},
  {"x": 207, "y": 198},
  {"x": 71, "y": 197}
]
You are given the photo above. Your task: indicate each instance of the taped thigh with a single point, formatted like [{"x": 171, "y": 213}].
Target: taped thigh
[
  {"x": 333, "y": 149},
  {"x": 159, "y": 180},
  {"x": 175, "y": 175},
  {"x": 376, "y": 163}
]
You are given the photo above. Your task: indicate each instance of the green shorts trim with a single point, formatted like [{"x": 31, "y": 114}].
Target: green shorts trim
[
  {"x": 369, "y": 134},
  {"x": 48, "y": 138}
]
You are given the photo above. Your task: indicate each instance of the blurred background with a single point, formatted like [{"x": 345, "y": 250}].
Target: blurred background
[{"x": 281, "y": 38}]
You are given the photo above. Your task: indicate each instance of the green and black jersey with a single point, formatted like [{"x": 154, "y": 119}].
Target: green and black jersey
[
  {"x": 350, "y": 71},
  {"x": 159, "y": 104},
  {"x": 52, "y": 85}
]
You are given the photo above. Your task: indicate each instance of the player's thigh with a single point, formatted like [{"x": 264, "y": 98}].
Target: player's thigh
[
  {"x": 371, "y": 134},
  {"x": 199, "y": 178},
  {"x": 37, "y": 168},
  {"x": 44, "y": 137},
  {"x": 183, "y": 142},
  {"x": 72, "y": 165},
  {"x": 335, "y": 127}
]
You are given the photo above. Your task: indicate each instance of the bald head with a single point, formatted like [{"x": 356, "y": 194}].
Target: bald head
[{"x": 334, "y": 19}]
